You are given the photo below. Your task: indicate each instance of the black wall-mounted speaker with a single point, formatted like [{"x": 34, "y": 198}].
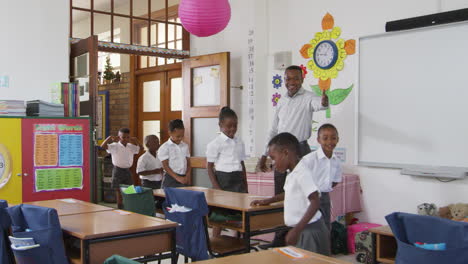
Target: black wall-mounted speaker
[{"x": 427, "y": 20}]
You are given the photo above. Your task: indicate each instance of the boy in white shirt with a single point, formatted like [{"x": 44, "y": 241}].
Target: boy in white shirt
[
  {"x": 149, "y": 167},
  {"x": 123, "y": 149},
  {"x": 301, "y": 197},
  {"x": 325, "y": 167},
  {"x": 175, "y": 157}
]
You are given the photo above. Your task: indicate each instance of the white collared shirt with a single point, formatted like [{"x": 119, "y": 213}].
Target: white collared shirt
[
  {"x": 226, "y": 153},
  {"x": 177, "y": 155},
  {"x": 148, "y": 162},
  {"x": 325, "y": 171},
  {"x": 294, "y": 115},
  {"x": 122, "y": 156},
  {"x": 297, "y": 188}
]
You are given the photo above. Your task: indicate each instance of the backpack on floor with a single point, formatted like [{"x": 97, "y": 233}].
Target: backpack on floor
[{"x": 339, "y": 237}]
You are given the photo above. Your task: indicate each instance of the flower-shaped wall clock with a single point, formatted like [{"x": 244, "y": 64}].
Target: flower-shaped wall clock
[{"x": 326, "y": 54}]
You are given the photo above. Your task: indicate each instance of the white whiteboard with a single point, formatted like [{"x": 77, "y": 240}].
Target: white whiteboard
[{"x": 413, "y": 98}]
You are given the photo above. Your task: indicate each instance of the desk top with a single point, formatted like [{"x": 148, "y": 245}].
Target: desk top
[
  {"x": 110, "y": 223},
  {"x": 71, "y": 206},
  {"x": 228, "y": 200},
  {"x": 273, "y": 257},
  {"x": 382, "y": 230}
]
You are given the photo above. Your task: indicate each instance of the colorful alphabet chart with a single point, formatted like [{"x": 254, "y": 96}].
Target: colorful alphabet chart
[{"x": 58, "y": 156}]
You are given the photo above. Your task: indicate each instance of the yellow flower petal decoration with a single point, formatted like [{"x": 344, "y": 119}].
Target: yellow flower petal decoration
[
  {"x": 328, "y": 22},
  {"x": 336, "y": 32}
]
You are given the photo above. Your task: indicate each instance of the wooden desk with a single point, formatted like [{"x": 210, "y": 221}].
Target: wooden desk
[
  {"x": 71, "y": 206},
  {"x": 385, "y": 244},
  {"x": 273, "y": 257},
  {"x": 102, "y": 234},
  {"x": 256, "y": 220}
]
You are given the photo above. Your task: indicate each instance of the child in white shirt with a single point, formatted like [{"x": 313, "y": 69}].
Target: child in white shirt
[
  {"x": 325, "y": 167},
  {"x": 123, "y": 149},
  {"x": 225, "y": 156},
  {"x": 175, "y": 157},
  {"x": 149, "y": 167},
  {"x": 301, "y": 197}
]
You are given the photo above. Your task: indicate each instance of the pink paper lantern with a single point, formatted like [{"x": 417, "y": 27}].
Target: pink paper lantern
[{"x": 204, "y": 18}]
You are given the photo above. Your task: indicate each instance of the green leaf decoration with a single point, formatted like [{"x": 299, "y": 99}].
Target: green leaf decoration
[
  {"x": 316, "y": 90},
  {"x": 337, "y": 96}
]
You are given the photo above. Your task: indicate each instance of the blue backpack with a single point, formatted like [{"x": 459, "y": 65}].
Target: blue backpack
[
  {"x": 410, "y": 228},
  {"x": 42, "y": 224},
  {"x": 188, "y": 208}
]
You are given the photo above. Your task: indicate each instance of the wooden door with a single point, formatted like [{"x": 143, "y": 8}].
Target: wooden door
[
  {"x": 84, "y": 70},
  {"x": 159, "y": 101},
  {"x": 10, "y": 160},
  {"x": 206, "y": 90}
]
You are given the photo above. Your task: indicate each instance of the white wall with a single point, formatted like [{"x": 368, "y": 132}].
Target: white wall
[
  {"x": 34, "y": 47},
  {"x": 294, "y": 23}
]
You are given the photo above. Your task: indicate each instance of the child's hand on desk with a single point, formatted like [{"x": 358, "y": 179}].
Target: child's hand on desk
[
  {"x": 292, "y": 237},
  {"x": 260, "y": 202}
]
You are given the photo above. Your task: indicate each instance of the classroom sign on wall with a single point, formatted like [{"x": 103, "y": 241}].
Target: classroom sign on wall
[{"x": 58, "y": 157}]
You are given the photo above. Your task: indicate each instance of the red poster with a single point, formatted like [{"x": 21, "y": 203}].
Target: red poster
[{"x": 56, "y": 159}]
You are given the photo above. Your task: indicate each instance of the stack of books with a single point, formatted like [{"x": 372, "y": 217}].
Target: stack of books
[
  {"x": 42, "y": 108},
  {"x": 12, "y": 108},
  {"x": 71, "y": 99}
]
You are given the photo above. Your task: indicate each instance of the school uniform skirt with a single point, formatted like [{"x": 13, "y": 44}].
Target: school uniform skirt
[
  {"x": 169, "y": 181},
  {"x": 121, "y": 176},
  {"x": 325, "y": 208},
  {"x": 231, "y": 181},
  {"x": 315, "y": 238}
]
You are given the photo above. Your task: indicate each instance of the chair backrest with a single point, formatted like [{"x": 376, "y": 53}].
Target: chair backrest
[
  {"x": 410, "y": 228},
  {"x": 43, "y": 225},
  {"x": 188, "y": 208},
  {"x": 140, "y": 203},
  {"x": 6, "y": 256}
]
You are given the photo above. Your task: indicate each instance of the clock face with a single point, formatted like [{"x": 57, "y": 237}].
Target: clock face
[{"x": 325, "y": 54}]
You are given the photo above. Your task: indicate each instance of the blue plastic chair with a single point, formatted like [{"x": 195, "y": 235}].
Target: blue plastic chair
[
  {"x": 410, "y": 228},
  {"x": 191, "y": 237},
  {"x": 42, "y": 224},
  {"x": 6, "y": 256}
]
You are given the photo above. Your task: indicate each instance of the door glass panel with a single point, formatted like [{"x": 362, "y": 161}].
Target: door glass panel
[
  {"x": 102, "y": 5},
  {"x": 140, "y": 8},
  {"x": 176, "y": 94},
  {"x": 81, "y": 76},
  {"x": 158, "y": 9},
  {"x": 152, "y": 128},
  {"x": 121, "y": 29},
  {"x": 82, "y": 4},
  {"x": 102, "y": 27},
  {"x": 81, "y": 24},
  {"x": 122, "y": 7},
  {"x": 204, "y": 130},
  {"x": 152, "y": 96},
  {"x": 206, "y": 86}
]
